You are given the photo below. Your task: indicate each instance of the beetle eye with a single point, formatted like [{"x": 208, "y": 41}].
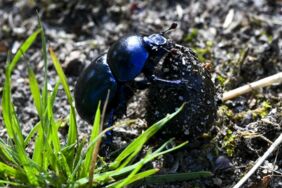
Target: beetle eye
[{"x": 155, "y": 40}]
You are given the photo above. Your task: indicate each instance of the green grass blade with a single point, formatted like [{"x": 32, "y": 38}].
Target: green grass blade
[
  {"x": 11, "y": 122},
  {"x": 136, "y": 177},
  {"x": 94, "y": 134},
  {"x": 102, "y": 177},
  {"x": 10, "y": 119},
  {"x": 129, "y": 178},
  {"x": 148, "y": 158},
  {"x": 9, "y": 115},
  {"x": 35, "y": 91},
  {"x": 23, "y": 48},
  {"x": 6, "y": 98},
  {"x": 16, "y": 127},
  {"x": 78, "y": 154},
  {"x": 52, "y": 158},
  {"x": 54, "y": 93},
  {"x": 61, "y": 74},
  {"x": 8, "y": 112},
  {"x": 170, "y": 178},
  {"x": 45, "y": 122},
  {"x": 8, "y": 183},
  {"x": 54, "y": 137},
  {"x": 133, "y": 155},
  {"x": 131, "y": 148},
  {"x": 6, "y": 152},
  {"x": 169, "y": 150},
  {"x": 72, "y": 134},
  {"x": 64, "y": 165},
  {"x": 31, "y": 133},
  {"x": 38, "y": 149},
  {"x": 8, "y": 170},
  {"x": 91, "y": 144},
  {"x": 44, "y": 54},
  {"x": 29, "y": 170}
]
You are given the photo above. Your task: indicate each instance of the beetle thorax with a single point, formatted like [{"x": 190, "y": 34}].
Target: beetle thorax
[{"x": 127, "y": 57}]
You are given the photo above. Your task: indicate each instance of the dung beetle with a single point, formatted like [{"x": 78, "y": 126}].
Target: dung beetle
[{"x": 125, "y": 60}]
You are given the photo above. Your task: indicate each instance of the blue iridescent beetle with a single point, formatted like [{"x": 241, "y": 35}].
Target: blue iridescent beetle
[{"x": 125, "y": 60}]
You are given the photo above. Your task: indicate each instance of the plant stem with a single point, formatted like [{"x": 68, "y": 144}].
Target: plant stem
[
  {"x": 277, "y": 78},
  {"x": 97, "y": 145},
  {"x": 260, "y": 161}
]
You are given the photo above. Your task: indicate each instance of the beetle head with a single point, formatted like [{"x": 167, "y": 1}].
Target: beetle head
[{"x": 157, "y": 40}]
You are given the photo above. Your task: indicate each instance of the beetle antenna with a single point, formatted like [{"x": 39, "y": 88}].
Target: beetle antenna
[{"x": 172, "y": 26}]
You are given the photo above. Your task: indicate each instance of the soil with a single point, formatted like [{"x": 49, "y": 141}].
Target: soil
[{"x": 237, "y": 41}]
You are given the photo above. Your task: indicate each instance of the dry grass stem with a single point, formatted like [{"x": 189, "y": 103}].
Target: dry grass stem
[
  {"x": 259, "y": 161},
  {"x": 268, "y": 81}
]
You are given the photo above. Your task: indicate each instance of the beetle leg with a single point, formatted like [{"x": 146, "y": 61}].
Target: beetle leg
[
  {"x": 141, "y": 84},
  {"x": 144, "y": 83},
  {"x": 164, "y": 82},
  {"x": 109, "y": 134},
  {"x": 121, "y": 106},
  {"x": 108, "y": 139}
]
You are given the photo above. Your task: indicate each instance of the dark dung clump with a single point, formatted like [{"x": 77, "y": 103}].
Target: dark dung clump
[{"x": 198, "y": 93}]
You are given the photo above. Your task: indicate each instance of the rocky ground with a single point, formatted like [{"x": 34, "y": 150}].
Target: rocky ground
[{"x": 239, "y": 40}]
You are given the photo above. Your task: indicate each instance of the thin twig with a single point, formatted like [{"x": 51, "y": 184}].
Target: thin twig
[
  {"x": 97, "y": 145},
  {"x": 274, "y": 79},
  {"x": 259, "y": 161}
]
